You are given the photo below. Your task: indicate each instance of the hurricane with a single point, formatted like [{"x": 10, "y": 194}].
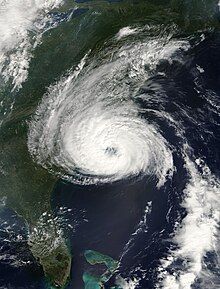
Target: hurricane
[{"x": 90, "y": 127}]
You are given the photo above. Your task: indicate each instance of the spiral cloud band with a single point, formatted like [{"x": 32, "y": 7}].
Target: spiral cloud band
[
  {"x": 108, "y": 146},
  {"x": 89, "y": 129}
]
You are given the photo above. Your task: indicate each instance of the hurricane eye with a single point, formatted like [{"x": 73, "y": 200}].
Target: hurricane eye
[{"x": 111, "y": 151}]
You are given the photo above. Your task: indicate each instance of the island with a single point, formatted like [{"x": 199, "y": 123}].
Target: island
[{"x": 92, "y": 281}]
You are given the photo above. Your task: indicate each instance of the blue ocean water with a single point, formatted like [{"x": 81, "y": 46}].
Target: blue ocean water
[
  {"x": 113, "y": 212},
  {"x": 133, "y": 221}
]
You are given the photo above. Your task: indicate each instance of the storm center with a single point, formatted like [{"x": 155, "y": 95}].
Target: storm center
[{"x": 111, "y": 151}]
